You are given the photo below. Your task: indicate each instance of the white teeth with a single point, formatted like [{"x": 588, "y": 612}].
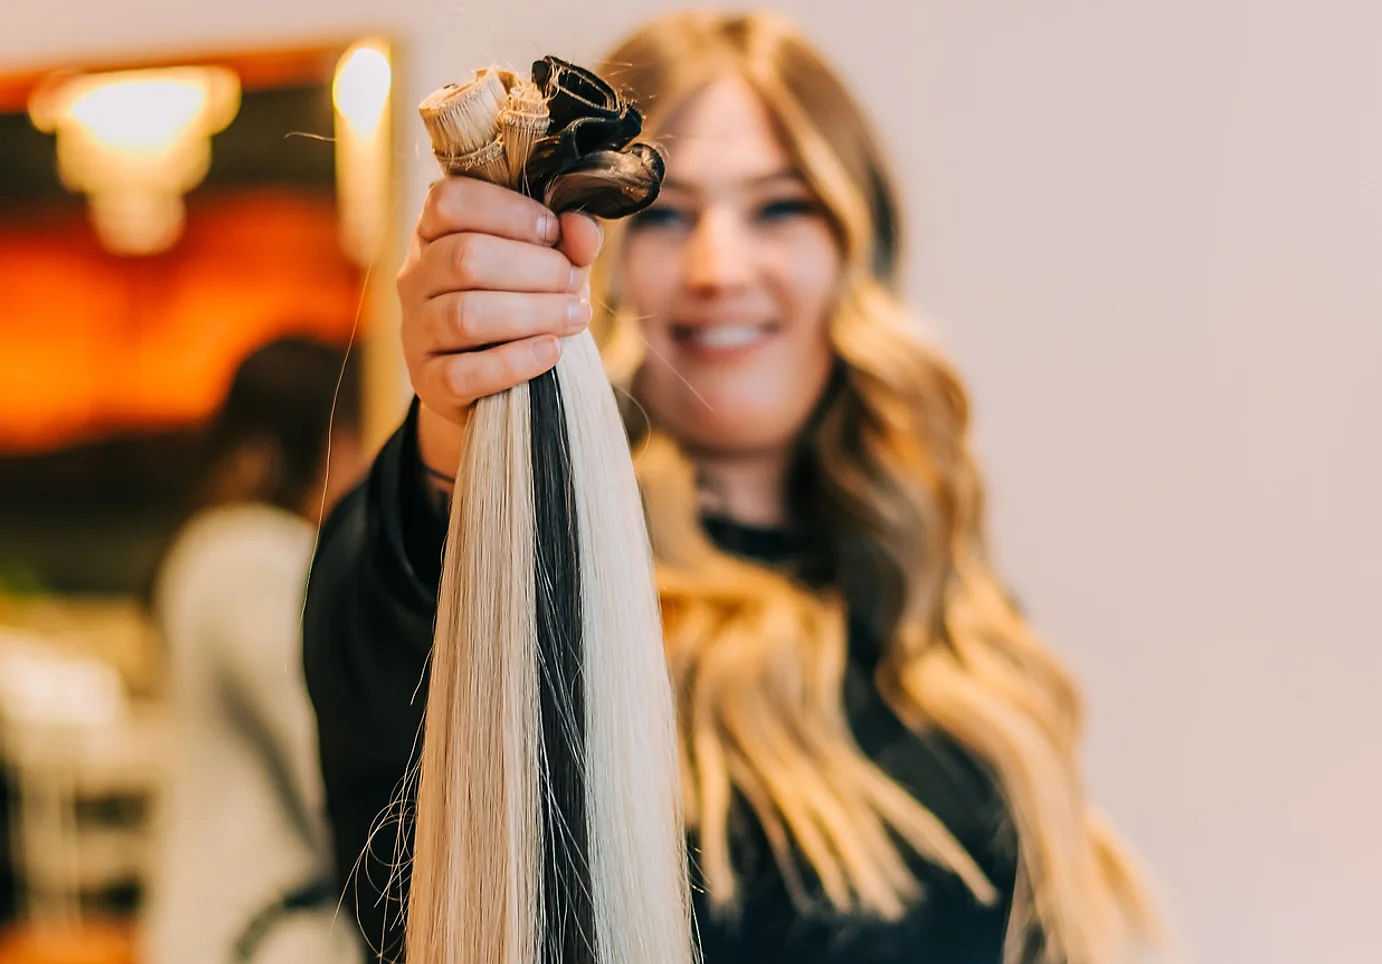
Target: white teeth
[{"x": 727, "y": 336}]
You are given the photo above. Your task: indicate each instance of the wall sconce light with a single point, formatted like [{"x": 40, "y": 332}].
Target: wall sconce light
[
  {"x": 135, "y": 142},
  {"x": 360, "y": 94}
]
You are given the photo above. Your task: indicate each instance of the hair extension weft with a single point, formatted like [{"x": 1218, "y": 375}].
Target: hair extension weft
[{"x": 549, "y": 825}]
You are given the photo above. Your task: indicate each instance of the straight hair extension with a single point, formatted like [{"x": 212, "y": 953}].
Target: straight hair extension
[
  {"x": 639, "y": 865},
  {"x": 476, "y": 844},
  {"x": 549, "y": 824}
]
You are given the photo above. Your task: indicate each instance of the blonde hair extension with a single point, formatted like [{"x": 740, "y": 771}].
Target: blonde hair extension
[
  {"x": 638, "y": 791},
  {"x": 549, "y": 827},
  {"x": 476, "y": 848}
]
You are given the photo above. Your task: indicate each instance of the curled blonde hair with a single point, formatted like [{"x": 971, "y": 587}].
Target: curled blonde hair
[{"x": 757, "y": 659}]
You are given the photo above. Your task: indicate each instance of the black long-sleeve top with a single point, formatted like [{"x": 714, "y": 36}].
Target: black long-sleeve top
[{"x": 368, "y": 626}]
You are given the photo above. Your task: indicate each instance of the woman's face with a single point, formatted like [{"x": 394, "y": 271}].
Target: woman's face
[{"x": 732, "y": 272}]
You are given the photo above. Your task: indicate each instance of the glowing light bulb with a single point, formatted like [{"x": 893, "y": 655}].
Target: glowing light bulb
[
  {"x": 360, "y": 90},
  {"x": 135, "y": 142}
]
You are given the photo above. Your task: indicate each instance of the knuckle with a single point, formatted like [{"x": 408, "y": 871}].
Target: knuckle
[
  {"x": 463, "y": 316},
  {"x": 455, "y": 379},
  {"x": 431, "y": 207},
  {"x": 510, "y": 366},
  {"x": 441, "y": 196},
  {"x": 451, "y": 204},
  {"x": 463, "y": 257},
  {"x": 403, "y": 277}
]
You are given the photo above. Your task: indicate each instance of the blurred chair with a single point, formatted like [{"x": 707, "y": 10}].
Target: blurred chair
[{"x": 83, "y": 768}]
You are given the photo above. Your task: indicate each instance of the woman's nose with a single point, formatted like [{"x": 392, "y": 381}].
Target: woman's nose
[{"x": 718, "y": 253}]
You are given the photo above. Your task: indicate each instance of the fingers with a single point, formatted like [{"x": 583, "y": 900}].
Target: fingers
[
  {"x": 492, "y": 281},
  {"x": 462, "y": 320},
  {"x": 454, "y": 381},
  {"x": 581, "y": 237},
  {"x": 457, "y": 204},
  {"x": 466, "y": 262}
]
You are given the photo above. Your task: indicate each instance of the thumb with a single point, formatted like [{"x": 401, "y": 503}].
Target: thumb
[{"x": 581, "y": 238}]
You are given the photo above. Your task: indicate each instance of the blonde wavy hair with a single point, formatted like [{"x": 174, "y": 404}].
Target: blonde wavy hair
[{"x": 757, "y": 659}]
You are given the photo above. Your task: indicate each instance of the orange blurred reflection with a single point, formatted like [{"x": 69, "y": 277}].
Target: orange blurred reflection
[{"x": 93, "y": 342}]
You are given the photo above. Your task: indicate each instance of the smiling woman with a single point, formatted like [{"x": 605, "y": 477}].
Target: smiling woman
[{"x": 879, "y": 758}]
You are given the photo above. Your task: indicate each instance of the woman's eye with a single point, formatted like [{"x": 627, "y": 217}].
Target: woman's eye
[
  {"x": 786, "y": 208},
  {"x": 657, "y": 216}
]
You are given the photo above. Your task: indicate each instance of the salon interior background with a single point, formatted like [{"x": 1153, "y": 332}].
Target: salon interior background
[{"x": 1151, "y": 235}]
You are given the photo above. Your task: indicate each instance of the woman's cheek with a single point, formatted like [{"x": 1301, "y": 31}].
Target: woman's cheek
[
  {"x": 649, "y": 275},
  {"x": 810, "y": 265}
]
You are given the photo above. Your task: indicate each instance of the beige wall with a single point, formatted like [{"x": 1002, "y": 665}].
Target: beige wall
[{"x": 1151, "y": 234}]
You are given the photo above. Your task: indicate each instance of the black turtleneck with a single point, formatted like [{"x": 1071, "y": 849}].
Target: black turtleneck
[{"x": 367, "y": 628}]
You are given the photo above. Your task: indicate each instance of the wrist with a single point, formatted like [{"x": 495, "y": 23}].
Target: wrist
[{"x": 439, "y": 442}]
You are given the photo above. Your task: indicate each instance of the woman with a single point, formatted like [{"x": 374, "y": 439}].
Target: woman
[
  {"x": 228, "y": 598},
  {"x": 880, "y": 757}
]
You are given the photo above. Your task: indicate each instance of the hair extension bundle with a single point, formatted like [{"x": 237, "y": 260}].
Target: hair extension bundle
[
  {"x": 522, "y": 122},
  {"x": 549, "y": 827},
  {"x": 461, "y": 121}
]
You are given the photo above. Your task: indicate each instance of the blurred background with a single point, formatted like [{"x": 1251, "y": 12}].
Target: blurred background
[{"x": 1150, "y": 234}]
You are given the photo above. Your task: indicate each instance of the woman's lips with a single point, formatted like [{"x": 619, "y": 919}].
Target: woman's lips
[{"x": 721, "y": 340}]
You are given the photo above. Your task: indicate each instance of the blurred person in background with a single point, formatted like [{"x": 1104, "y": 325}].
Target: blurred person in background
[
  {"x": 244, "y": 847},
  {"x": 882, "y": 757}
]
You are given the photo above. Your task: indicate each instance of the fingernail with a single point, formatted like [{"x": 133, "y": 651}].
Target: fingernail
[
  {"x": 547, "y": 227},
  {"x": 577, "y": 279},
  {"x": 578, "y": 315},
  {"x": 545, "y": 351}
]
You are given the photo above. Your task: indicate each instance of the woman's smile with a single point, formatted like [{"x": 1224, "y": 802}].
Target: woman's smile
[{"x": 721, "y": 341}]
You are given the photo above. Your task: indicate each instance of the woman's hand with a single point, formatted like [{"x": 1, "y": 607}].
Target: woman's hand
[{"x": 491, "y": 281}]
